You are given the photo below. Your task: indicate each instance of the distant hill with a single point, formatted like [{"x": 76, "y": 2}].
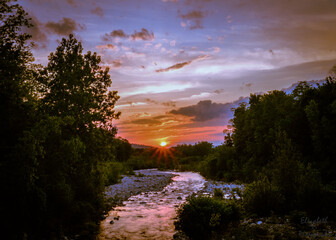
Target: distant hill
[{"x": 140, "y": 146}]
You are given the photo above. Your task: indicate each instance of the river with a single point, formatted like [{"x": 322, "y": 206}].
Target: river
[{"x": 151, "y": 215}]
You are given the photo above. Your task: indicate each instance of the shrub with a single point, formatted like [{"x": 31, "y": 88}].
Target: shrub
[
  {"x": 261, "y": 197},
  {"x": 111, "y": 172},
  {"x": 218, "y": 193},
  {"x": 202, "y": 215}
]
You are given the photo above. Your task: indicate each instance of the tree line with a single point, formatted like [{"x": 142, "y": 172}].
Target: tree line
[
  {"x": 283, "y": 148},
  {"x": 58, "y": 146}
]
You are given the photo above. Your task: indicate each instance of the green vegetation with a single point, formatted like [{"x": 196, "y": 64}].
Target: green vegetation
[
  {"x": 58, "y": 149},
  {"x": 201, "y": 216},
  {"x": 283, "y": 146}
]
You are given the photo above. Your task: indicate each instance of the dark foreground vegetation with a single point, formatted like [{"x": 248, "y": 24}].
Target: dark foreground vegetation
[
  {"x": 58, "y": 149},
  {"x": 284, "y": 147}
]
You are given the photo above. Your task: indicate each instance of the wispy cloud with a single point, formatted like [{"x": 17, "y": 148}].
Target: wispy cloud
[
  {"x": 98, "y": 11},
  {"x": 159, "y": 88},
  {"x": 174, "y": 67},
  {"x": 106, "y": 46},
  {"x": 117, "y": 63},
  {"x": 181, "y": 65},
  {"x": 146, "y": 121}
]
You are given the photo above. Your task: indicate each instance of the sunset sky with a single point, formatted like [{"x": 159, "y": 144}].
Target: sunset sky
[{"x": 181, "y": 65}]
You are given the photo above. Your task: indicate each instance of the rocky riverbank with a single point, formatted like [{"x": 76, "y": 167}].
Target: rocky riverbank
[
  {"x": 151, "y": 210},
  {"x": 145, "y": 180}
]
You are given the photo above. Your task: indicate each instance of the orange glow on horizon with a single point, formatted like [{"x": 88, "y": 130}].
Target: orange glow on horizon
[
  {"x": 173, "y": 135},
  {"x": 164, "y": 154}
]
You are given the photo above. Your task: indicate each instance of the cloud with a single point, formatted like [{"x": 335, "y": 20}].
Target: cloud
[
  {"x": 219, "y": 91},
  {"x": 182, "y": 64},
  {"x": 174, "y": 67},
  {"x": 166, "y": 104},
  {"x": 306, "y": 26},
  {"x": 216, "y": 49},
  {"x": 169, "y": 104},
  {"x": 147, "y": 121},
  {"x": 107, "y": 46},
  {"x": 114, "y": 34},
  {"x": 98, "y": 11},
  {"x": 205, "y": 110},
  {"x": 194, "y": 19},
  {"x": 37, "y": 32},
  {"x": 144, "y": 34},
  {"x": 151, "y": 101},
  {"x": 71, "y": 2},
  {"x": 64, "y": 26},
  {"x": 195, "y": 96},
  {"x": 246, "y": 86},
  {"x": 193, "y": 15},
  {"x": 117, "y": 63}
]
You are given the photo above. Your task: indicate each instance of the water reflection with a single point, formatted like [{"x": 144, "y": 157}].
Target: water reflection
[{"x": 151, "y": 215}]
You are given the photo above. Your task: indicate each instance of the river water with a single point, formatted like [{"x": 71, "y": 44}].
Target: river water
[{"x": 151, "y": 215}]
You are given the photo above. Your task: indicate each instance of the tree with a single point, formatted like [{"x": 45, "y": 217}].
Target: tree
[
  {"x": 56, "y": 134},
  {"x": 14, "y": 57},
  {"x": 16, "y": 116},
  {"x": 78, "y": 152},
  {"x": 77, "y": 86}
]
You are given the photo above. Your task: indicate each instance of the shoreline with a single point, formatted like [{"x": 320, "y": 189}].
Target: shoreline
[{"x": 144, "y": 180}]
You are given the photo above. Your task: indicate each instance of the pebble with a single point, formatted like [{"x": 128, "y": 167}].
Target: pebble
[{"x": 150, "y": 180}]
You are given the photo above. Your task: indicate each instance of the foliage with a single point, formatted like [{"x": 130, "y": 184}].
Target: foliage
[
  {"x": 262, "y": 197},
  {"x": 283, "y": 145},
  {"x": 77, "y": 86},
  {"x": 57, "y": 138},
  {"x": 123, "y": 149},
  {"x": 141, "y": 159},
  {"x": 201, "y": 215},
  {"x": 200, "y": 149},
  {"x": 218, "y": 193}
]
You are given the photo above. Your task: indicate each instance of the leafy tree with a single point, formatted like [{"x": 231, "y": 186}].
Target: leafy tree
[
  {"x": 123, "y": 149},
  {"x": 256, "y": 126},
  {"x": 17, "y": 174},
  {"x": 56, "y": 136},
  {"x": 77, "y": 155},
  {"x": 318, "y": 106},
  {"x": 77, "y": 86}
]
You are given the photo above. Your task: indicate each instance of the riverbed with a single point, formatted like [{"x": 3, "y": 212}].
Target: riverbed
[{"x": 151, "y": 214}]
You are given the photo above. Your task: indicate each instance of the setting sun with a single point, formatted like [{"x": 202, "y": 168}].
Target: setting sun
[{"x": 162, "y": 144}]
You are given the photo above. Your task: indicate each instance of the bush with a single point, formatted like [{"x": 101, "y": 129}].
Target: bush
[
  {"x": 201, "y": 215},
  {"x": 218, "y": 193},
  {"x": 261, "y": 198},
  {"x": 111, "y": 172}
]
